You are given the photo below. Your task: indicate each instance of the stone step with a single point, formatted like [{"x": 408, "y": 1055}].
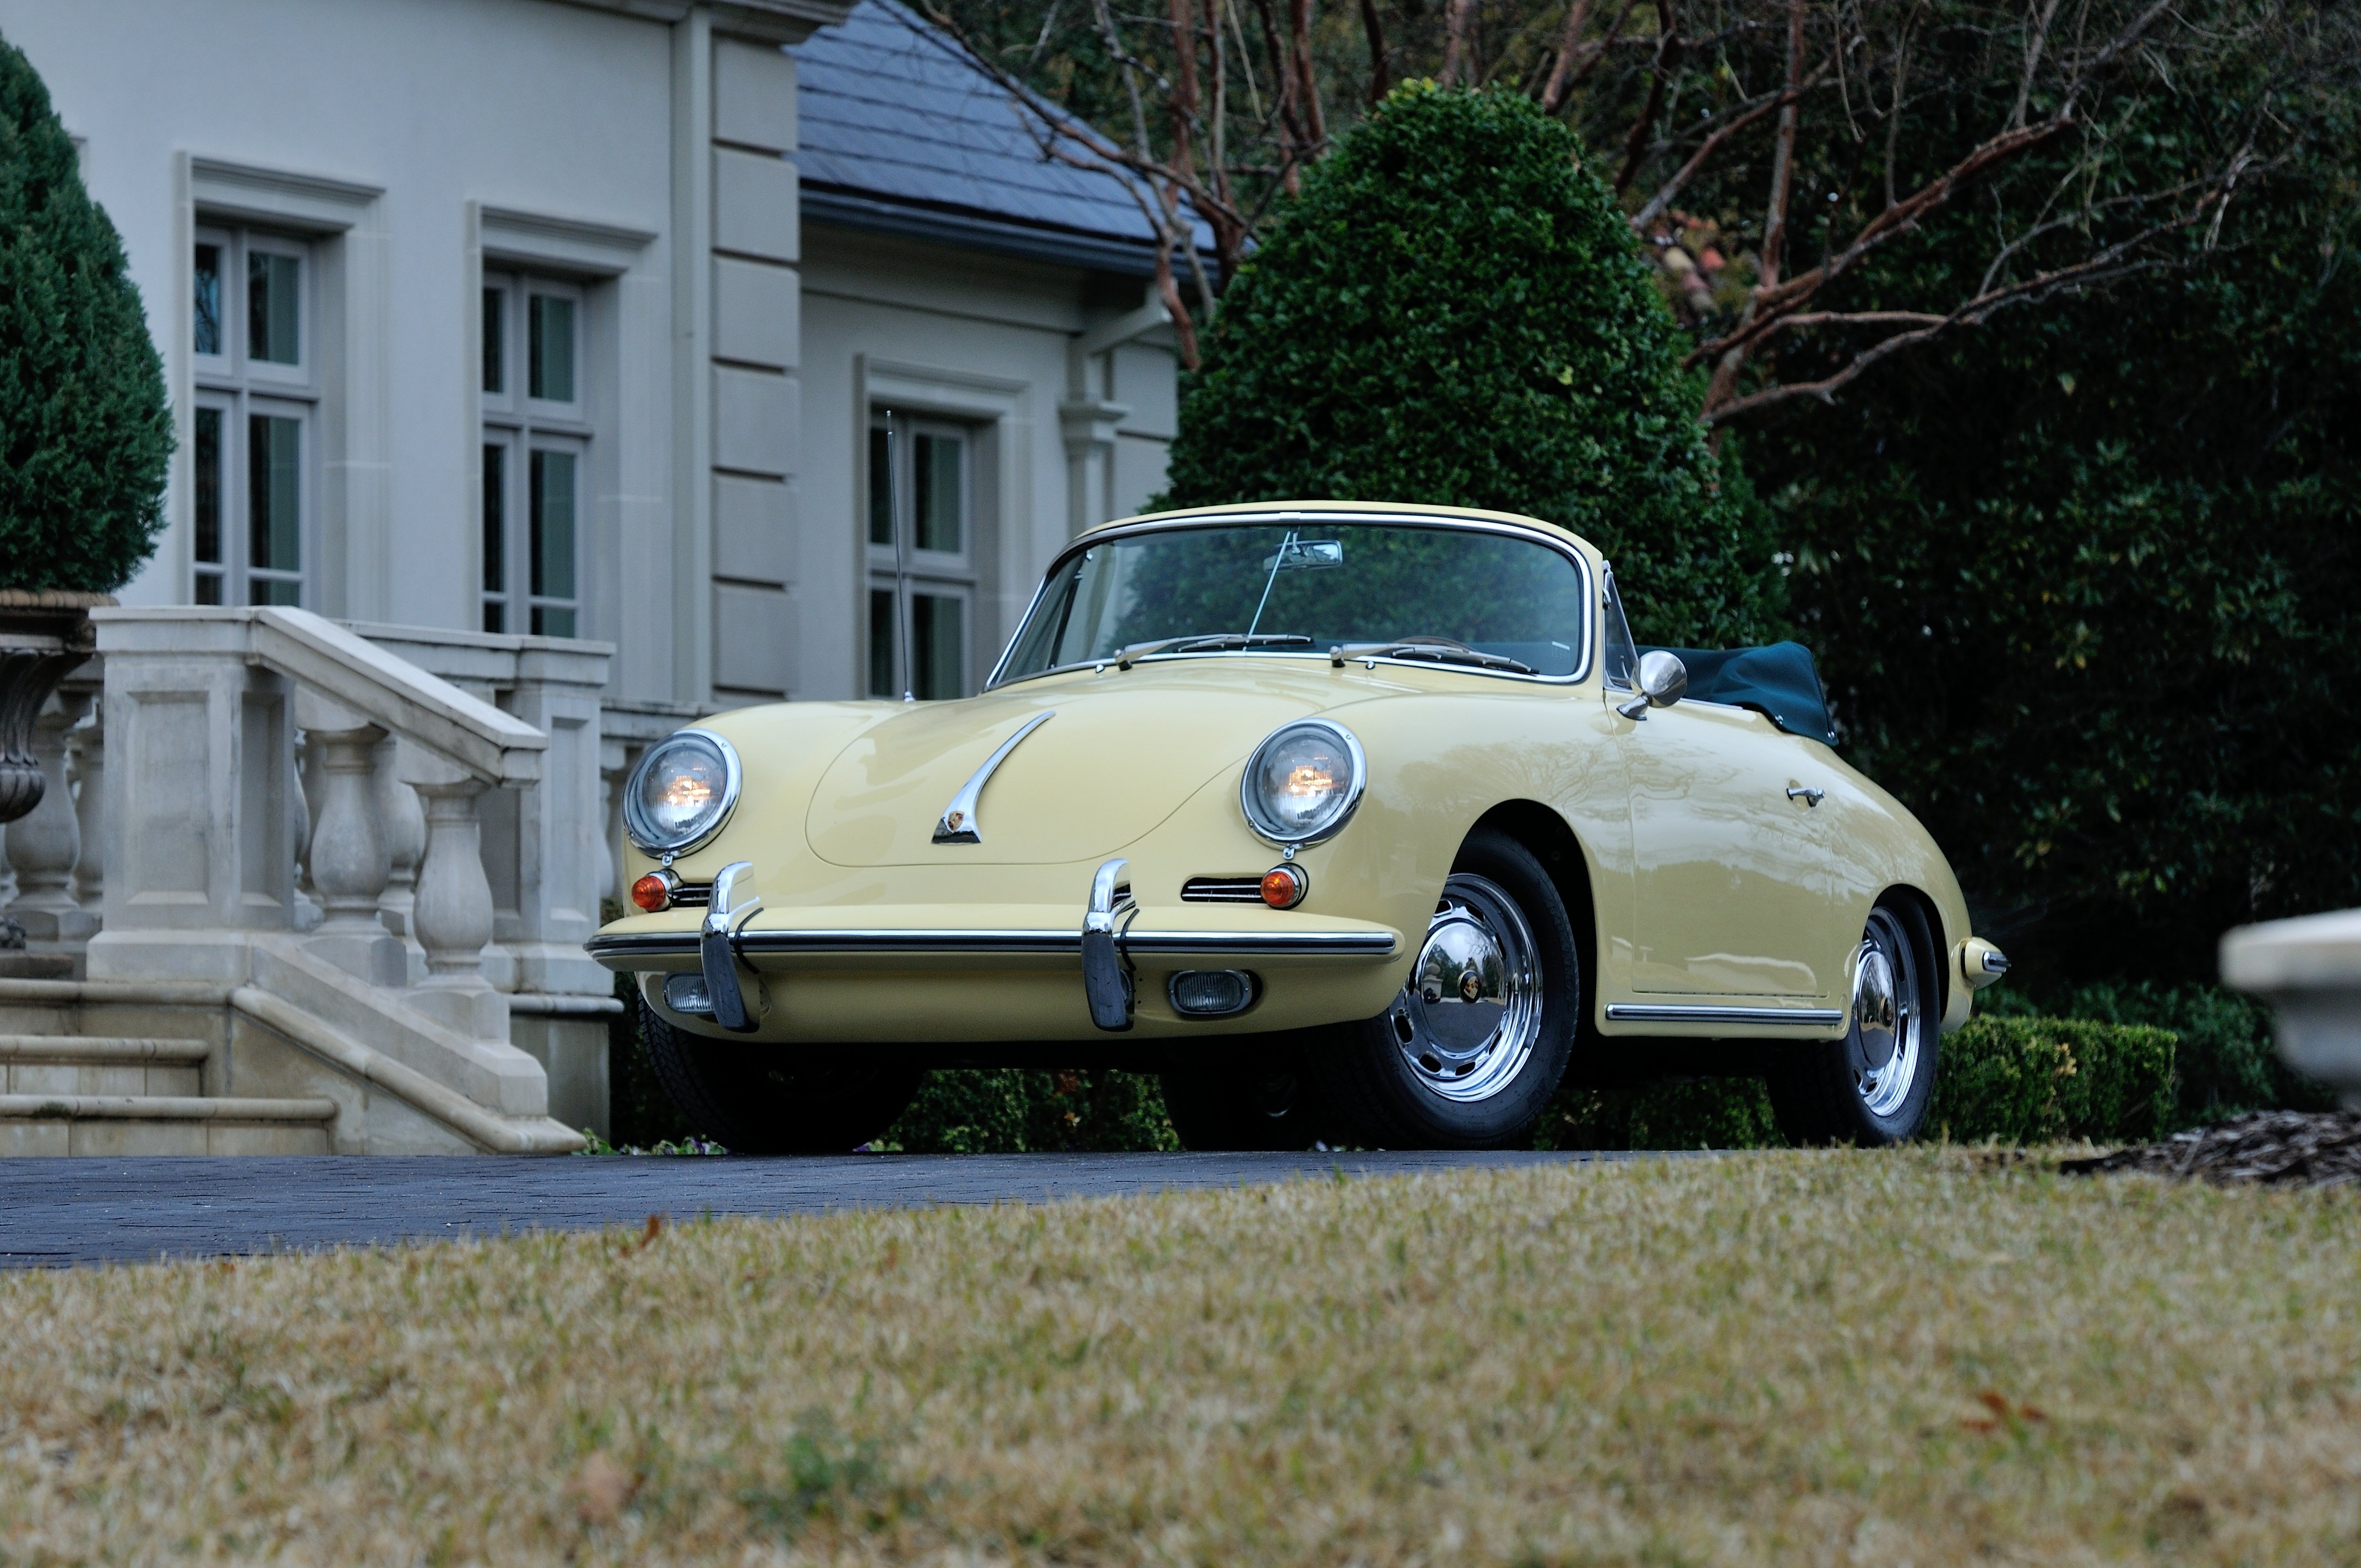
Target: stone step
[
  {"x": 128, "y": 1124},
  {"x": 77, "y": 1064}
]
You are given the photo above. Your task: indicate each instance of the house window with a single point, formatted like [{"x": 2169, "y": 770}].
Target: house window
[
  {"x": 921, "y": 531},
  {"x": 255, "y": 414},
  {"x": 535, "y": 447}
]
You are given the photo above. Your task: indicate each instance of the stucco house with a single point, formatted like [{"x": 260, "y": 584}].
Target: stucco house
[
  {"x": 572, "y": 317},
  {"x": 549, "y": 348}
]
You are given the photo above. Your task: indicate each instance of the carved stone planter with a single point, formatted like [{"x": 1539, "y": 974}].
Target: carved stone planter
[
  {"x": 43, "y": 636},
  {"x": 2310, "y": 970}
]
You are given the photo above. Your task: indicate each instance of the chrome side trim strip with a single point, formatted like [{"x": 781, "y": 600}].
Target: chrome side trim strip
[
  {"x": 684, "y": 944},
  {"x": 1650, "y": 1013},
  {"x": 1341, "y": 944},
  {"x": 959, "y": 825}
]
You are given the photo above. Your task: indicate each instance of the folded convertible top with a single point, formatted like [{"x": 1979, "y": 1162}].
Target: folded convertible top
[{"x": 1778, "y": 682}]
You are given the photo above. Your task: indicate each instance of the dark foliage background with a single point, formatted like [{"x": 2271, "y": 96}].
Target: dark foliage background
[
  {"x": 2084, "y": 583},
  {"x": 1454, "y": 312},
  {"x": 84, "y": 432}
]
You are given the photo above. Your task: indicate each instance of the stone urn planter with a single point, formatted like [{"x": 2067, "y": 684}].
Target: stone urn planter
[
  {"x": 43, "y": 636},
  {"x": 2310, "y": 970}
]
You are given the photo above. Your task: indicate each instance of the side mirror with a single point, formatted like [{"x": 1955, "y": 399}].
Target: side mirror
[{"x": 1663, "y": 681}]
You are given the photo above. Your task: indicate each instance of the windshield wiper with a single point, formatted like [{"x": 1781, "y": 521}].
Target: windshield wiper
[
  {"x": 1213, "y": 642},
  {"x": 1442, "y": 649}
]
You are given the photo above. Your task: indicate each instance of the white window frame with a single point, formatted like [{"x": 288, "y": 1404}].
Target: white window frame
[
  {"x": 521, "y": 424},
  {"x": 244, "y": 389},
  {"x": 933, "y": 574}
]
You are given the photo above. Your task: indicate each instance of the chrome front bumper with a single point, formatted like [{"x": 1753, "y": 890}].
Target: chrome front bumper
[{"x": 1103, "y": 944}]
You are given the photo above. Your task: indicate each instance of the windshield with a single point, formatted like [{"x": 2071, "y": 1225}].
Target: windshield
[{"x": 1310, "y": 586}]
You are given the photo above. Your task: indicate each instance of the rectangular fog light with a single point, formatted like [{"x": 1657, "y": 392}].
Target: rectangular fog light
[
  {"x": 1213, "y": 992},
  {"x": 686, "y": 993}
]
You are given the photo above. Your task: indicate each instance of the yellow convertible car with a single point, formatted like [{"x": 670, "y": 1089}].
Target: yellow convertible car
[{"x": 1336, "y": 816}]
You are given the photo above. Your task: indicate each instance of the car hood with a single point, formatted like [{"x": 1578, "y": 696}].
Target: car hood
[{"x": 1121, "y": 753}]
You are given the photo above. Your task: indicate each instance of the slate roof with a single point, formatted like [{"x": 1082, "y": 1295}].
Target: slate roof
[{"x": 901, "y": 132}]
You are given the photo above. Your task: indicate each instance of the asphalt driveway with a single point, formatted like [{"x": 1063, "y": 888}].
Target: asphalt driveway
[{"x": 60, "y": 1212}]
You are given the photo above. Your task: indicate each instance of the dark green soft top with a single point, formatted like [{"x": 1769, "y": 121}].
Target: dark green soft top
[{"x": 1779, "y": 682}]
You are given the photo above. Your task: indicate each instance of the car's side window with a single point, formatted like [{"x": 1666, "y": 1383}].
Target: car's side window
[{"x": 1621, "y": 660}]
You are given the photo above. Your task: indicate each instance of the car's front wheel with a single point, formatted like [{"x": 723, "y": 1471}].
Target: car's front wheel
[
  {"x": 746, "y": 1099},
  {"x": 1872, "y": 1087},
  {"x": 1473, "y": 1046}
]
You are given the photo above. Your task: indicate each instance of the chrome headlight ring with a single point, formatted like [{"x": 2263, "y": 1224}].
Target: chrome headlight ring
[
  {"x": 699, "y": 763},
  {"x": 1310, "y": 749}
]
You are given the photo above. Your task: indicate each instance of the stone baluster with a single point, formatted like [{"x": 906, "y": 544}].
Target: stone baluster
[
  {"x": 305, "y": 798},
  {"x": 44, "y": 844},
  {"x": 451, "y": 912},
  {"x": 86, "y": 768},
  {"x": 346, "y": 857},
  {"x": 403, "y": 822}
]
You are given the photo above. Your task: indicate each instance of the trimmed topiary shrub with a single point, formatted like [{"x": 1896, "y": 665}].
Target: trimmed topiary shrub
[
  {"x": 1456, "y": 312},
  {"x": 2033, "y": 1081},
  {"x": 84, "y": 430}
]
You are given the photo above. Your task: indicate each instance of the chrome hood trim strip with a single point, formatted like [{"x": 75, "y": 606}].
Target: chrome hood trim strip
[{"x": 959, "y": 824}]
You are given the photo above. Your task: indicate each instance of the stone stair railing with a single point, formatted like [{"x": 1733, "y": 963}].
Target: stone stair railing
[{"x": 360, "y": 935}]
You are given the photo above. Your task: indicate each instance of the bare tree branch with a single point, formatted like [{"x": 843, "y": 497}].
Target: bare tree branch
[
  {"x": 2116, "y": 260},
  {"x": 1376, "y": 30},
  {"x": 1668, "y": 48},
  {"x": 1561, "y": 74},
  {"x": 1457, "y": 19},
  {"x": 1670, "y": 191}
]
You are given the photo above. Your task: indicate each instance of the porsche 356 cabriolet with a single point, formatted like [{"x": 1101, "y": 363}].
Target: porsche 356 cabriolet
[{"x": 1347, "y": 819}]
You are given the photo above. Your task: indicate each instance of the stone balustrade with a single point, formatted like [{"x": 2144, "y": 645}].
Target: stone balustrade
[{"x": 442, "y": 844}]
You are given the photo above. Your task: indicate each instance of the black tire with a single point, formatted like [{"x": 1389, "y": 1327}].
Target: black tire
[
  {"x": 1390, "y": 1097},
  {"x": 1241, "y": 1107},
  {"x": 746, "y": 1099},
  {"x": 1829, "y": 1092}
]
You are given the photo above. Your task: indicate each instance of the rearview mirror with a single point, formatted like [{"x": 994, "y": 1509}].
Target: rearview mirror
[{"x": 1663, "y": 680}]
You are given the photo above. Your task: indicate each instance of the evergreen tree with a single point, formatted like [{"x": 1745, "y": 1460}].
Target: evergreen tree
[
  {"x": 1455, "y": 311},
  {"x": 84, "y": 430}
]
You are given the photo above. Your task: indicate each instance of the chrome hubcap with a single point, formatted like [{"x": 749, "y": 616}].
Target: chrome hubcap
[
  {"x": 1888, "y": 1023},
  {"x": 1467, "y": 1020}
]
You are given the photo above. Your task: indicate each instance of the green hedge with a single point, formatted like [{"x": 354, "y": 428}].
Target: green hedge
[
  {"x": 2019, "y": 1080},
  {"x": 2030, "y": 1080},
  {"x": 1031, "y": 1110}
]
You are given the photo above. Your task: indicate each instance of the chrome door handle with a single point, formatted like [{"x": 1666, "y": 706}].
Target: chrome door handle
[{"x": 1809, "y": 796}]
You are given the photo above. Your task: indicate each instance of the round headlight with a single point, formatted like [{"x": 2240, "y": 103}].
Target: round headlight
[
  {"x": 1301, "y": 782},
  {"x": 681, "y": 792}
]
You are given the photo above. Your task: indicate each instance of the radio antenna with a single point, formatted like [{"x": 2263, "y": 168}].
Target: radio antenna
[{"x": 902, "y": 607}]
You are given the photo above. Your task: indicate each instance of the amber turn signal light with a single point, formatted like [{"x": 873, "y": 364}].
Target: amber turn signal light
[
  {"x": 1283, "y": 887},
  {"x": 652, "y": 892}
]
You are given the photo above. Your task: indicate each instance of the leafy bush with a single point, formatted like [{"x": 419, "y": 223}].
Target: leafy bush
[
  {"x": 1455, "y": 311},
  {"x": 2032, "y": 1081},
  {"x": 2226, "y": 1063},
  {"x": 1673, "y": 1113},
  {"x": 1022, "y": 1110},
  {"x": 84, "y": 432}
]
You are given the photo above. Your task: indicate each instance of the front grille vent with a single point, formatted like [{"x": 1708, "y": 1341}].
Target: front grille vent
[
  {"x": 1223, "y": 890},
  {"x": 697, "y": 894}
]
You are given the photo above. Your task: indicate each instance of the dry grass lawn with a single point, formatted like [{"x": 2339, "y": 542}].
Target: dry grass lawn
[{"x": 1815, "y": 1358}]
